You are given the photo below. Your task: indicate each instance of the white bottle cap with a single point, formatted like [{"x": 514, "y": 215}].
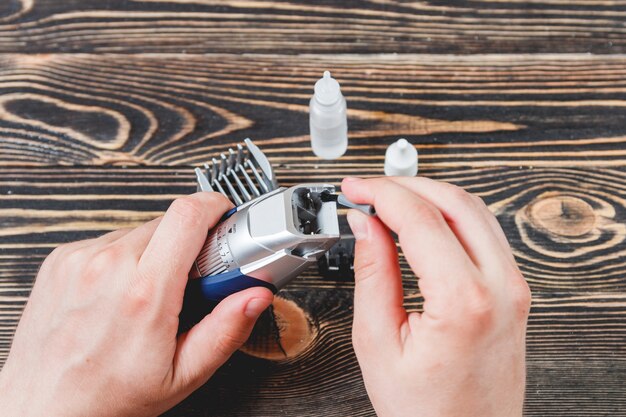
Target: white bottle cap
[
  {"x": 401, "y": 159},
  {"x": 327, "y": 90}
]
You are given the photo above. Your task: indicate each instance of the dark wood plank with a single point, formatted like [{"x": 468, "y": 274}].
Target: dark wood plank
[
  {"x": 325, "y": 380},
  {"x": 539, "y": 137},
  {"x": 576, "y": 363},
  {"x": 175, "y": 110},
  {"x": 200, "y": 26},
  {"x": 566, "y": 226}
]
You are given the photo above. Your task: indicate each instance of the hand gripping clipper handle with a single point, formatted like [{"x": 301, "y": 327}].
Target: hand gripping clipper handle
[
  {"x": 203, "y": 294},
  {"x": 212, "y": 282}
]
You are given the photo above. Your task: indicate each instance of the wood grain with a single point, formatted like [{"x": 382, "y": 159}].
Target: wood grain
[
  {"x": 566, "y": 225},
  {"x": 572, "y": 252},
  {"x": 575, "y": 362},
  {"x": 578, "y": 312},
  {"x": 374, "y": 26},
  {"x": 105, "y": 105},
  {"x": 325, "y": 380},
  {"x": 572, "y": 344},
  {"x": 159, "y": 110}
]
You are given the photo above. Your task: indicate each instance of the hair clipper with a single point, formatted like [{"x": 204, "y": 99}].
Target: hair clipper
[{"x": 265, "y": 242}]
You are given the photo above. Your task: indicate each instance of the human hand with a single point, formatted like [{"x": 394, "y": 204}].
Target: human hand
[
  {"x": 464, "y": 355},
  {"x": 98, "y": 335}
]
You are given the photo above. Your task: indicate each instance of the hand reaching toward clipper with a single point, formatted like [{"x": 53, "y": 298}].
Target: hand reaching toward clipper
[
  {"x": 98, "y": 335},
  {"x": 464, "y": 355}
]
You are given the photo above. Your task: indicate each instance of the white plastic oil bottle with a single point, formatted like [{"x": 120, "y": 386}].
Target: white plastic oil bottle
[{"x": 328, "y": 119}]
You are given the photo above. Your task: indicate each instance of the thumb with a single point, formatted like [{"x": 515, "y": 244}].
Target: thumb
[
  {"x": 204, "y": 348},
  {"x": 378, "y": 295}
]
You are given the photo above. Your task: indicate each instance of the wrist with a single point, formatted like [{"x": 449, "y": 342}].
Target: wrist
[
  {"x": 16, "y": 397},
  {"x": 9, "y": 399}
]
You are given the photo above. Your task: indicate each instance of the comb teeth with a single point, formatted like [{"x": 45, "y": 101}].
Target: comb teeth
[{"x": 241, "y": 175}]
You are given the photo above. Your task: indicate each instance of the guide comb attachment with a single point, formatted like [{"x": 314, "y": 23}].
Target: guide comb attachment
[{"x": 241, "y": 176}]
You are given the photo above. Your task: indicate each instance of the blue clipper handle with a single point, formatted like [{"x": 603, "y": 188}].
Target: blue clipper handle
[
  {"x": 217, "y": 287},
  {"x": 203, "y": 294}
]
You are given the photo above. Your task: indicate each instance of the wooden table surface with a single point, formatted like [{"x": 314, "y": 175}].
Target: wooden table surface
[{"x": 106, "y": 105}]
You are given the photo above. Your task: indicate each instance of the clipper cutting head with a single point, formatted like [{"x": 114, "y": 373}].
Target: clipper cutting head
[{"x": 268, "y": 241}]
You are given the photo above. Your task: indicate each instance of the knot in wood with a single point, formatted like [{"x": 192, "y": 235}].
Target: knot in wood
[
  {"x": 562, "y": 215},
  {"x": 282, "y": 332}
]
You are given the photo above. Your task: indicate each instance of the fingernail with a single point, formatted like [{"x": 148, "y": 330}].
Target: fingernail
[
  {"x": 256, "y": 306},
  {"x": 351, "y": 179},
  {"x": 358, "y": 224}
]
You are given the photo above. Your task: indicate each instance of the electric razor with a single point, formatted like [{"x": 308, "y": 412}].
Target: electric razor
[{"x": 265, "y": 242}]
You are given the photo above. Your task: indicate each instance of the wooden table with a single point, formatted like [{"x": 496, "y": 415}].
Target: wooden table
[{"x": 105, "y": 105}]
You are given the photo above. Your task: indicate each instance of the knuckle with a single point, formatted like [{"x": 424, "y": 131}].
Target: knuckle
[
  {"x": 59, "y": 251},
  {"x": 365, "y": 267},
  {"x": 218, "y": 198},
  {"x": 482, "y": 206},
  {"x": 188, "y": 209},
  {"x": 103, "y": 261},
  {"x": 381, "y": 182},
  {"x": 75, "y": 258},
  {"x": 522, "y": 297},
  {"x": 227, "y": 343},
  {"x": 479, "y": 201},
  {"x": 479, "y": 308},
  {"x": 460, "y": 196},
  {"x": 55, "y": 256},
  {"x": 419, "y": 212},
  {"x": 139, "y": 297}
]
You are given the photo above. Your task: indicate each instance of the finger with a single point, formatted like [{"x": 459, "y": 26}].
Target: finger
[
  {"x": 178, "y": 238},
  {"x": 468, "y": 219},
  {"x": 202, "y": 350},
  {"x": 432, "y": 250},
  {"x": 378, "y": 297},
  {"x": 97, "y": 243},
  {"x": 137, "y": 239},
  {"x": 112, "y": 236},
  {"x": 421, "y": 228}
]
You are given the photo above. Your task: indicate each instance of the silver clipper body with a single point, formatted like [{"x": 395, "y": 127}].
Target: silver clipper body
[{"x": 267, "y": 241}]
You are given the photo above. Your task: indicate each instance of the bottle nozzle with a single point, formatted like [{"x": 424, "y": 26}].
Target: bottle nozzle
[{"x": 327, "y": 90}]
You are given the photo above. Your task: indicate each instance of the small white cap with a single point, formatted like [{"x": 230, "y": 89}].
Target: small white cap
[
  {"x": 327, "y": 90},
  {"x": 401, "y": 159}
]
